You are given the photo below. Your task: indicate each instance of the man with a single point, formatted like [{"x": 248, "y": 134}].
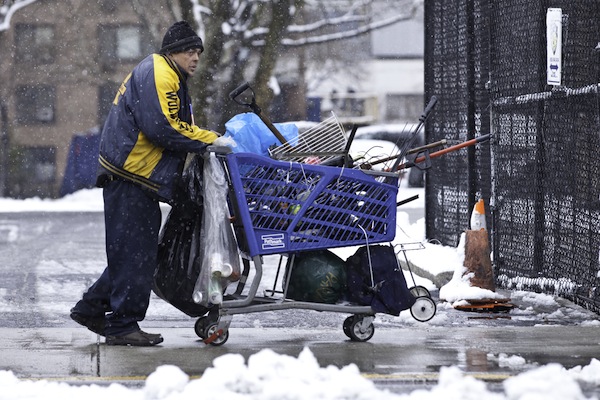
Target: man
[{"x": 145, "y": 140}]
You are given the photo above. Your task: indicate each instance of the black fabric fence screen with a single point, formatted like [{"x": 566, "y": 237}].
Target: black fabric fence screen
[{"x": 539, "y": 174}]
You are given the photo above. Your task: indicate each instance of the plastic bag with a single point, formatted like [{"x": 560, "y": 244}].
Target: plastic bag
[
  {"x": 220, "y": 258},
  {"x": 251, "y": 135},
  {"x": 179, "y": 259},
  {"x": 318, "y": 277}
]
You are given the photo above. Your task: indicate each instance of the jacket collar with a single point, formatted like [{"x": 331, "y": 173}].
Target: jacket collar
[{"x": 182, "y": 74}]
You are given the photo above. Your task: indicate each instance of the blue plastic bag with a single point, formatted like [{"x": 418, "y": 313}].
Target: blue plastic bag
[{"x": 251, "y": 135}]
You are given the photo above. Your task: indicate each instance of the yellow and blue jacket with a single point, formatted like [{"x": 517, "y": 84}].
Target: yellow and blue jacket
[{"x": 148, "y": 131}]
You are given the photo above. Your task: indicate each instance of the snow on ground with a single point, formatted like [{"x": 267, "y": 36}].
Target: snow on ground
[
  {"x": 86, "y": 200},
  {"x": 267, "y": 375},
  {"x": 270, "y": 376}
]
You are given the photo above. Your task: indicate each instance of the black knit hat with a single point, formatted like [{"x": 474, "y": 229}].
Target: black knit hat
[{"x": 180, "y": 37}]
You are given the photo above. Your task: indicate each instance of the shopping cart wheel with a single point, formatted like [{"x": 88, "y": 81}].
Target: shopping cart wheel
[
  {"x": 200, "y": 327},
  {"x": 360, "y": 329},
  {"x": 419, "y": 291},
  {"x": 423, "y": 309},
  {"x": 346, "y": 326},
  {"x": 214, "y": 337}
]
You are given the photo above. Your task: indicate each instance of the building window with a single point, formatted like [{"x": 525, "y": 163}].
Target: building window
[
  {"x": 35, "y": 44},
  {"x": 121, "y": 43},
  {"x": 43, "y": 162},
  {"x": 35, "y": 104},
  {"x": 33, "y": 172},
  {"x": 108, "y": 6}
]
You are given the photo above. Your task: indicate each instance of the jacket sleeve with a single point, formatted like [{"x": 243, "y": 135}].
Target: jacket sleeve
[{"x": 159, "y": 119}]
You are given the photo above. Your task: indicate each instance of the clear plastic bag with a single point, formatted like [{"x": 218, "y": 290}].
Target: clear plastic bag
[{"x": 220, "y": 257}]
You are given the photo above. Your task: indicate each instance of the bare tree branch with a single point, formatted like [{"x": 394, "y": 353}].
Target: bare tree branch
[
  {"x": 7, "y": 10},
  {"x": 341, "y": 35}
]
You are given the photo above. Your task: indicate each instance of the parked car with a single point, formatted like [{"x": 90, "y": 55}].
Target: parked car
[{"x": 371, "y": 150}]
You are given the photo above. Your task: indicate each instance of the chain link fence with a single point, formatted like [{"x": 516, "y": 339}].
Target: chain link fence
[{"x": 539, "y": 174}]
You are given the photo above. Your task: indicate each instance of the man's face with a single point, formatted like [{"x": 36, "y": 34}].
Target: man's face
[{"x": 187, "y": 60}]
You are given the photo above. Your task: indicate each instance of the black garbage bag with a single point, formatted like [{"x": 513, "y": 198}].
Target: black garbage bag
[
  {"x": 317, "y": 277},
  {"x": 386, "y": 291},
  {"x": 179, "y": 259}
]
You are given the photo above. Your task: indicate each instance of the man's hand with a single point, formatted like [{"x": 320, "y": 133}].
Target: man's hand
[{"x": 224, "y": 141}]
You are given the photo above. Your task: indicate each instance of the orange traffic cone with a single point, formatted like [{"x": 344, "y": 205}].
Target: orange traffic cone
[
  {"x": 478, "y": 216},
  {"x": 477, "y": 250},
  {"x": 478, "y": 265}
]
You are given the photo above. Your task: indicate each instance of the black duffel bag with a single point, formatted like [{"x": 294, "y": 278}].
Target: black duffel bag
[{"x": 387, "y": 292}]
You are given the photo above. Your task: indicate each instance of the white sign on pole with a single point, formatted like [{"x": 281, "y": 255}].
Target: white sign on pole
[{"x": 554, "y": 46}]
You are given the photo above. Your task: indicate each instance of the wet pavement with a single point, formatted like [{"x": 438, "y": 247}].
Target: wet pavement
[
  {"x": 48, "y": 259},
  {"x": 412, "y": 354}
]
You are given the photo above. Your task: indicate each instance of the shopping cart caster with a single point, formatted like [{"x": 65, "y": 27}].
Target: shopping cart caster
[
  {"x": 418, "y": 291},
  {"x": 359, "y": 328},
  {"x": 423, "y": 309},
  {"x": 207, "y": 329},
  {"x": 215, "y": 336}
]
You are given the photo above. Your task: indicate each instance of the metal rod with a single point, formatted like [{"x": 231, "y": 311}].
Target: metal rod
[{"x": 450, "y": 149}]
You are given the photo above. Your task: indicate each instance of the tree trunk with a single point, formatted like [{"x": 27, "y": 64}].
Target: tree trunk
[{"x": 280, "y": 20}]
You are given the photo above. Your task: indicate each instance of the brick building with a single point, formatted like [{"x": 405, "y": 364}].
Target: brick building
[{"x": 61, "y": 64}]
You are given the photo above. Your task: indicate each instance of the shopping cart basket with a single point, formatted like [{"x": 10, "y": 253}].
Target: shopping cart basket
[{"x": 291, "y": 207}]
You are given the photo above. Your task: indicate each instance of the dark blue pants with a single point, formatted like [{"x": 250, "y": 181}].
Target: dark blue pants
[{"x": 132, "y": 221}]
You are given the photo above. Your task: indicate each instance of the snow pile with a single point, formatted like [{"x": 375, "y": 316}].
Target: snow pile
[
  {"x": 166, "y": 380},
  {"x": 459, "y": 288},
  {"x": 589, "y": 374},
  {"x": 549, "y": 382},
  {"x": 86, "y": 200},
  {"x": 506, "y": 361},
  {"x": 269, "y": 376}
]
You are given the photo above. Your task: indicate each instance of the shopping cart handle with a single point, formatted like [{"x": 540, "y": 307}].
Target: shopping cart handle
[{"x": 218, "y": 149}]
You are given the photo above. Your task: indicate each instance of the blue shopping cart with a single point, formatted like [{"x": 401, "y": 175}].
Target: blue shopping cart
[{"x": 287, "y": 208}]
